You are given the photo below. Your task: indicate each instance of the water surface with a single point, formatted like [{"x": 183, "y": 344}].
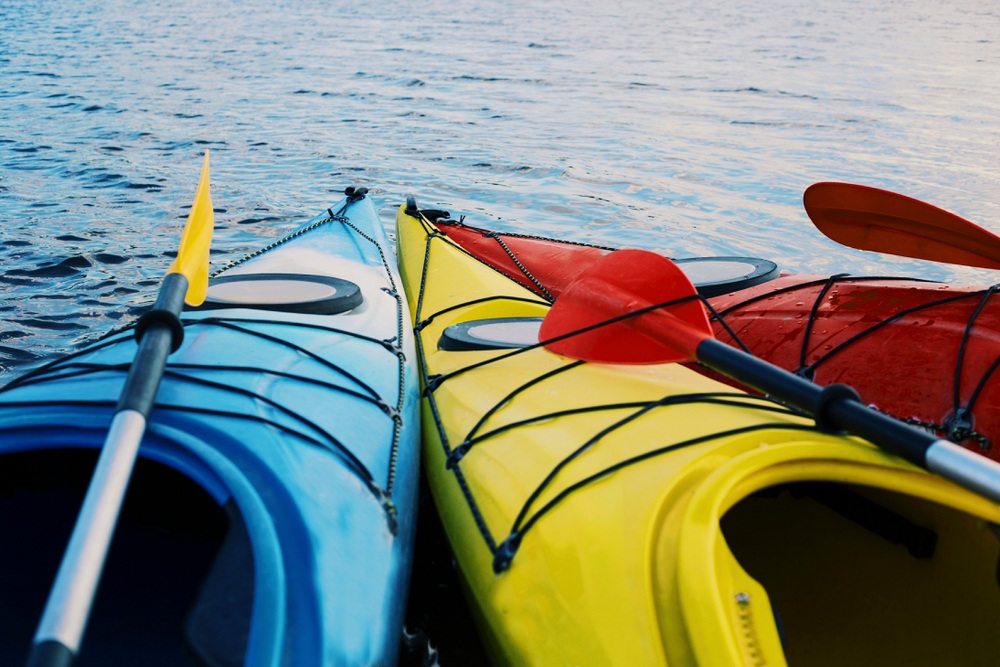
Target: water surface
[{"x": 691, "y": 128}]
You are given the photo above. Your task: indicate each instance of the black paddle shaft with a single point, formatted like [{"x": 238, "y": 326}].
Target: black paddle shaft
[
  {"x": 159, "y": 332},
  {"x": 836, "y": 407}
]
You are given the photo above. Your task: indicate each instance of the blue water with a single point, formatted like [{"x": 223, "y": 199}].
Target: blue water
[{"x": 691, "y": 128}]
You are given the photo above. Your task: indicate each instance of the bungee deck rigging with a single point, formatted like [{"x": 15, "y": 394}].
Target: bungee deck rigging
[
  {"x": 958, "y": 427},
  {"x": 810, "y": 352},
  {"x": 60, "y": 370}
]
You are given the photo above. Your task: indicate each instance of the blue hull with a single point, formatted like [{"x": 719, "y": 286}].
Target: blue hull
[{"x": 306, "y": 424}]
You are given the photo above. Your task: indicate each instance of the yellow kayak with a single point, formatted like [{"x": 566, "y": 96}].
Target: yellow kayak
[{"x": 647, "y": 515}]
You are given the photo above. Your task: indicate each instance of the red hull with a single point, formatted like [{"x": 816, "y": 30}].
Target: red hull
[{"x": 896, "y": 341}]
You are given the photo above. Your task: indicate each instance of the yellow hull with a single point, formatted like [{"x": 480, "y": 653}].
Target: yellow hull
[{"x": 673, "y": 528}]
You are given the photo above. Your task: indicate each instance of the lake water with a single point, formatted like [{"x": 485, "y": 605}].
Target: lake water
[{"x": 691, "y": 128}]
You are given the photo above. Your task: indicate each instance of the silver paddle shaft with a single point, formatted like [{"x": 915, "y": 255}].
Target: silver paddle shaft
[
  {"x": 72, "y": 594},
  {"x": 965, "y": 468}
]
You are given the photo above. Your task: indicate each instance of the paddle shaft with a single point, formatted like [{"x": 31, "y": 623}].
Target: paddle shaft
[
  {"x": 843, "y": 412},
  {"x": 57, "y": 640}
]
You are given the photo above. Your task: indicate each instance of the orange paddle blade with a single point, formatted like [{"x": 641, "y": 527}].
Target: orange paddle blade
[
  {"x": 881, "y": 221},
  {"x": 621, "y": 282}
]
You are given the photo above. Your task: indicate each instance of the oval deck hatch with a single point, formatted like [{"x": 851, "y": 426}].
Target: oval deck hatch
[
  {"x": 713, "y": 276},
  {"x": 287, "y": 292},
  {"x": 491, "y": 334}
]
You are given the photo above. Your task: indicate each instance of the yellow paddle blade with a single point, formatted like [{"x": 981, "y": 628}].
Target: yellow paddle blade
[{"x": 192, "y": 257}]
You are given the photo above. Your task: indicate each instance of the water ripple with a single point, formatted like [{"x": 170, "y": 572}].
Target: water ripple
[{"x": 689, "y": 128}]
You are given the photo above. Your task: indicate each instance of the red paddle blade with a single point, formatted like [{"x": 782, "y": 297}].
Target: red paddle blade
[
  {"x": 622, "y": 282},
  {"x": 871, "y": 219}
]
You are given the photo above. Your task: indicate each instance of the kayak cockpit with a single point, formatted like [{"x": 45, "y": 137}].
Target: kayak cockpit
[
  {"x": 823, "y": 552},
  {"x": 864, "y": 576},
  {"x": 177, "y": 588}
]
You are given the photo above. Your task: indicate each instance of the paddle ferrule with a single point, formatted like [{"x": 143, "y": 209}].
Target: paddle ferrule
[
  {"x": 890, "y": 434},
  {"x": 166, "y": 310}
]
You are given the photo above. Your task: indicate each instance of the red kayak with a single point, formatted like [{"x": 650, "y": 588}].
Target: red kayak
[{"x": 924, "y": 352}]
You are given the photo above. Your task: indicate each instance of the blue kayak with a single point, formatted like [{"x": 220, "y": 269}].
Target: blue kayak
[{"x": 270, "y": 520}]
